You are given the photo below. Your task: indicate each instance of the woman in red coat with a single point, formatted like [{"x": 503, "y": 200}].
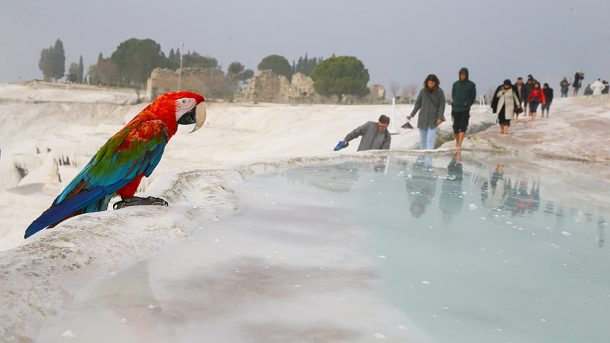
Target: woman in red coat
[{"x": 535, "y": 97}]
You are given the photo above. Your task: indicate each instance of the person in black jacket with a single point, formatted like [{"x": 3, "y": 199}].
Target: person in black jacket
[
  {"x": 463, "y": 95},
  {"x": 520, "y": 88},
  {"x": 578, "y": 77},
  {"x": 565, "y": 87},
  {"x": 548, "y": 95},
  {"x": 529, "y": 85}
]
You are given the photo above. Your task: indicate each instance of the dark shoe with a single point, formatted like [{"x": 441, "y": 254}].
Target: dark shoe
[{"x": 137, "y": 201}]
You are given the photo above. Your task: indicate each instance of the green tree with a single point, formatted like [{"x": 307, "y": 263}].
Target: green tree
[
  {"x": 278, "y": 64},
  {"x": 305, "y": 64},
  {"x": 81, "y": 70},
  {"x": 173, "y": 60},
  {"x": 46, "y": 63},
  {"x": 73, "y": 73},
  {"x": 245, "y": 75},
  {"x": 93, "y": 79},
  {"x": 107, "y": 72},
  {"x": 136, "y": 58},
  {"x": 341, "y": 75},
  {"x": 195, "y": 60},
  {"x": 235, "y": 68},
  {"x": 52, "y": 62},
  {"x": 239, "y": 72},
  {"x": 59, "y": 60}
]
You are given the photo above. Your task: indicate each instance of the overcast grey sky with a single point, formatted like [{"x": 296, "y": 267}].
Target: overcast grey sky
[{"x": 397, "y": 40}]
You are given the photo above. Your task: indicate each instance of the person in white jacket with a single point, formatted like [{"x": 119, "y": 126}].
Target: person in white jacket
[
  {"x": 597, "y": 87},
  {"x": 505, "y": 103}
]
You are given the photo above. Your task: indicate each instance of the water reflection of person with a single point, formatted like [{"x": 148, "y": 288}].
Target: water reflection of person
[
  {"x": 494, "y": 192},
  {"x": 601, "y": 231},
  {"x": 421, "y": 185},
  {"x": 452, "y": 199},
  {"x": 521, "y": 200},
  {"x": 516, "y": 197},
  {"x": 382, "y": 165}
]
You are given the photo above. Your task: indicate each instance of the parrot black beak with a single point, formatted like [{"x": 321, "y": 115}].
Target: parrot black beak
[
  {"x": 195, "y": 116},
  {"x": 188, "y": 117}
]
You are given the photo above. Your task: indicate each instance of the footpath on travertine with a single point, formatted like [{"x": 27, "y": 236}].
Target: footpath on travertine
[{"x": 576, "y": 129}]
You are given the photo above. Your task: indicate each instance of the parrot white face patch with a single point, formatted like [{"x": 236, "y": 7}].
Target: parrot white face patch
[{"x": 184, "y": 105}]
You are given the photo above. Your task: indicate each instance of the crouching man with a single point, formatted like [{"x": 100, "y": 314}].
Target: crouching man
[{"x": 375, "y": 135}]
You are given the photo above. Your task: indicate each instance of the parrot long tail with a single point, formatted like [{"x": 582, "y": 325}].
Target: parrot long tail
[{"x": 66, "y": 209}]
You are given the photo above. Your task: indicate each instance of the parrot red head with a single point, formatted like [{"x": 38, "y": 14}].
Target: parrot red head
[{"x": 179, "y": 108}]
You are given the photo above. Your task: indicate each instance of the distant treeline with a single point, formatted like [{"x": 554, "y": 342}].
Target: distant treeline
[{"x": 133, "y": 60}]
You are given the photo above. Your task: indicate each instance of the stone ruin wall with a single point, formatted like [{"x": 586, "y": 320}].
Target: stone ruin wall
[
  {"x": 265, "y": 86},
  {"x": 197, "y": 80}
]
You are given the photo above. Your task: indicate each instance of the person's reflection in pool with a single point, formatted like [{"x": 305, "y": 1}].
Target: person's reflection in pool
[
  {"x": 381, "y": 165},
  {"x": 535, "y": 193},
  {"x": 421, "y": 185},
  {"x": 560, "y": 217},
  {"x": 495, "y": 192},
  {"x": 601, "y": 231},
  {"x": 452, "y": 198},
  {"x": 549, "y": 208},
  {"x": 521, "y": 201}
]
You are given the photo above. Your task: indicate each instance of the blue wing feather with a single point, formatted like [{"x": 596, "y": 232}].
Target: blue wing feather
[{"x": 91, "y": 190}]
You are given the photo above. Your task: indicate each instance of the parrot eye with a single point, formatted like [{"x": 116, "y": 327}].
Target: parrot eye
[{"x": 184, "y": 101}]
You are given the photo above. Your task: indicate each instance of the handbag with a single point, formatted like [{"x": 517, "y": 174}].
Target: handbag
[{"x": 518, "y": 109}]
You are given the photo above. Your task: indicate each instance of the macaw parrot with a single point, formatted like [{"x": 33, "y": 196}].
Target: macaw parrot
[{"x": 120, "y": 164}]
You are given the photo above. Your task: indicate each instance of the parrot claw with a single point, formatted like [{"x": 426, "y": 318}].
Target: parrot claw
[{"x": 136, "y": 201}]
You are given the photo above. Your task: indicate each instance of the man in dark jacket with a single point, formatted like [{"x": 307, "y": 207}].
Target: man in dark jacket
[
  {"x": 375, "y": 135},
  {"x": 529, "y": 85},
  {"x": 548, "y": 97},
  {"x": 463, "y": 95},
  {"x": 578, "y": 77},
  {"x": 565, "y": 87},
  {"x": 519, "y": 87}
]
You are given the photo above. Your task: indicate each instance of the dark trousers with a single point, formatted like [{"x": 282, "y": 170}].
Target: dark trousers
[{"x": 460, "y": 120}]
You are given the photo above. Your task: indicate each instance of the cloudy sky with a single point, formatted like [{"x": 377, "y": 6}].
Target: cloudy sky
[{"x": 400, "y": 41}]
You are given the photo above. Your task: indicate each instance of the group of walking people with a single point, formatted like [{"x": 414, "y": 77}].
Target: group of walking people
[
  {"x": 430, "y": 104},
  {"x": 508, "y": 102}
]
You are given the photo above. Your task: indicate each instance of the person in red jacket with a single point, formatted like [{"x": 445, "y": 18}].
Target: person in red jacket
[{"x": 534, "y": 98}]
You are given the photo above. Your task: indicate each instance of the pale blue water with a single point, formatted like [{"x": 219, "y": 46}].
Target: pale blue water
[
  {"x": 467, "y": 252},
  {"x": 479, "y": 256}
]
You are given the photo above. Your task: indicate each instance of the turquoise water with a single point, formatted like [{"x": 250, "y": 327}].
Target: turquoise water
[
  {"x": 467, "y": 252},
  {"x": 478, "y": 256}
]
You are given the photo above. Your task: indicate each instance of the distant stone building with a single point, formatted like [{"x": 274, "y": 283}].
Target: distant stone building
[
  {"x": 376, "y": 95},
  {"x": 208, "y": 82},
  {"x": 303, "y": 92},
  {"x": 266, "y": 86},
  {"x": 377, "y": 92}
]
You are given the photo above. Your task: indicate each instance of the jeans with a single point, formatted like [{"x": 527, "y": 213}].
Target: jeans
[{"x": 427, "y": 137}]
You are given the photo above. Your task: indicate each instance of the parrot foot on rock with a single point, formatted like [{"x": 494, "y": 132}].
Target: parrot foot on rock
[{"x": 137, "y": 201}]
